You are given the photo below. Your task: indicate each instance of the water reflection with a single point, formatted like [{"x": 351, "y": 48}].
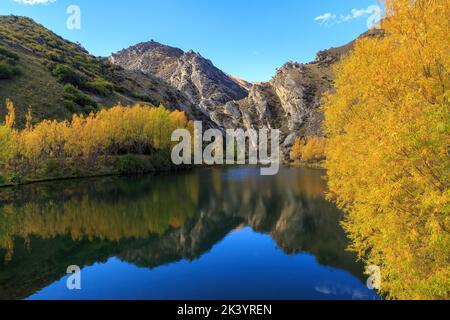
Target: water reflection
[{"x": 152, "y": 221}]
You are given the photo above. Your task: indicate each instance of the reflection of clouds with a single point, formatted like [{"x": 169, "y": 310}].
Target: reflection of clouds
[
  {"x": 337, "y": 290},
  {"x": 323, "y": 290}
]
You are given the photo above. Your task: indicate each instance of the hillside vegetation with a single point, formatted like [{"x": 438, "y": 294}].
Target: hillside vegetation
[
  {"x": 58, "y": 78},
  {"x": 388, "y": 161},
  {"x": 120, "y": 140}
]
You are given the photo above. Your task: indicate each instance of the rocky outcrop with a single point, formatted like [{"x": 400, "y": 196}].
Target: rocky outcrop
[
  {"x": 151, "y": 89},
  {"x": 290, "y": 101},
  {"x": 204, "y": 84}
]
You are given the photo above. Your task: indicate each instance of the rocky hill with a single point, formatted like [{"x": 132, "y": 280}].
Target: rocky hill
[
  {"x": 197, "y": 77},
  {"x": 58, "y": 78},
  {"x": 290, "y": 101}
]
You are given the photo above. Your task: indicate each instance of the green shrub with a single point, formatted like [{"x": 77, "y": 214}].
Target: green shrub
[
  {"x": 73, "y": 97},
  {"x": 16, "y": 179},
  {"x": 71, "y": 106},
  {"x": 100, "y": 86},
  {"x": 132, "y": 165},
  {"x": 2, "y": 180},
  {"x": 10, "y": 61},
  {"x": 53, "y": 56},
  {"x": 8, "y": 71},
  {"x": 66, "y": 74},
  {"x": 160, "y": 160},
  {"x": 8, "y": 53},
  {"x": 51, "y": 168}
]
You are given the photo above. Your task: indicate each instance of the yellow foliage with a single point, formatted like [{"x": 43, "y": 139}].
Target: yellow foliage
[
  {"x": 296, "y": 150},
  {"x": 312, "y": 150},
  {"x": 388, "y": 164},
  {"x": 138, "y": 129},
  {"x": 6, "y": 132},
  {"x": 10, "y": 118},
  {"x": 5, "y": 142},
  {"x": 28, "y": 118}
]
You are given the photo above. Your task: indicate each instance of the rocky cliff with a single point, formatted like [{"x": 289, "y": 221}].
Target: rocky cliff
[
  {"x": 155, "y": 73},
  {"x": 204, "y": 84},
  {"x": 290, "y": 101}
]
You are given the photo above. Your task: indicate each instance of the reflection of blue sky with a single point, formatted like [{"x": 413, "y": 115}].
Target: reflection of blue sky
[
  {"x": 245, "y": 265},
  {"x": 339, "y": 291}
]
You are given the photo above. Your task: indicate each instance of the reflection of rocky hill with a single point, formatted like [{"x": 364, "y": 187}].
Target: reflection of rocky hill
[
  {"x": 295, "y": 215},
  {"x": 153, "y": 231}
]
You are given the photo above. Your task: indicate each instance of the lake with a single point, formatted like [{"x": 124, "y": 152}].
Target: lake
[{"x": 205, "y": 234}]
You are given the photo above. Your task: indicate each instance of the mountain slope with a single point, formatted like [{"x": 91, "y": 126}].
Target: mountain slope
[
  {"x": 204, "y": 84},
  {"x": 58, "y": 77},
  {"x": 290, "y": 101}
]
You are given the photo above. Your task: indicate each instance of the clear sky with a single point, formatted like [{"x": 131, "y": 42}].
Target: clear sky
[{"x": 246, "y": 38}]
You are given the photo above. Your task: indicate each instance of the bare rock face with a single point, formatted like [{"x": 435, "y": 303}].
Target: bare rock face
[
  {"x": 204, "y": 84},
  {"x": 149, "y": 57},
  {"x": 289, "y": 102}
]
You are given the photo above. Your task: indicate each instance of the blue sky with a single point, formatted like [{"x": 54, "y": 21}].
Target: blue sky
[{"x": 246, "y": 38}]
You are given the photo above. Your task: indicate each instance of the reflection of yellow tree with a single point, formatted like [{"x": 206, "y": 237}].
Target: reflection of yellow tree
[
  {"x": 153, "y": 210},
  {"x": 6, "y": 231},
  {"x": 308, "y": 183},
  {"x": 387, "y": 157}
]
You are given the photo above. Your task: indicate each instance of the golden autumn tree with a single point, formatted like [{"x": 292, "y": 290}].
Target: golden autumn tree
[
  {"x": 312, "y": 149},
  {"x": 296, "y": 151},
  {"x": 6, "y": 133},
  {"x": 5, "y": 142},
  {"x": 86, "y": 141},
  {"x": 388, "y": 164},
  {"x": 11, "y": 115}
]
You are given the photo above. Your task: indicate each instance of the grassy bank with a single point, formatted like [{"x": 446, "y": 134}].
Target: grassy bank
[{"x": 130, "y": 164}]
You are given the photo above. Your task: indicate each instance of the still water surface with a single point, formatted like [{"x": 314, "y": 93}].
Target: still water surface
[{"x": 206, "y": 234}]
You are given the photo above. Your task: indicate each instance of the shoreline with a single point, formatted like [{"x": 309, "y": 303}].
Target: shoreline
[
  {"x": 309, "y": 165},
  {"x": 315, "y": 166},
  {"x": 87, "y": 176}
]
